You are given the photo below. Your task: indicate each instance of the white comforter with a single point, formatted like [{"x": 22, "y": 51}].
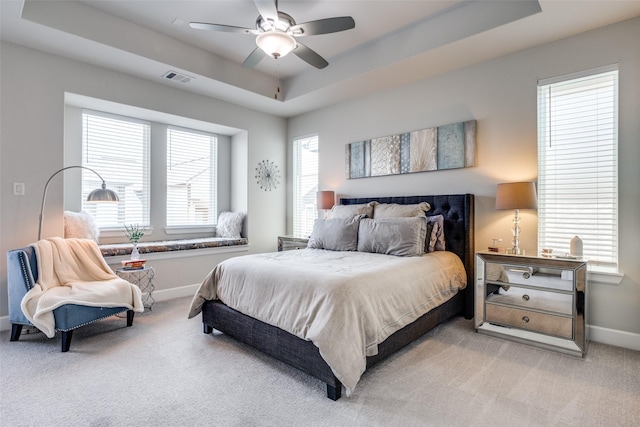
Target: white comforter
[{"x": 346, "y": 303}]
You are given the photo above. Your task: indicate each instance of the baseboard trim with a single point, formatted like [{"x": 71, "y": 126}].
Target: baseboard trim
[
  {"x": 614, "y": 337},
  {"x": 158, "y": 295}
]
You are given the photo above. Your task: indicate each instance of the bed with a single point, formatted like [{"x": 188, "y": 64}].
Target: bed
[{"x": 289, "y": 347}]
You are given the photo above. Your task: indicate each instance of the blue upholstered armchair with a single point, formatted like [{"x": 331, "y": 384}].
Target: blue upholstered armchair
[{"x": 22, "y": 274}]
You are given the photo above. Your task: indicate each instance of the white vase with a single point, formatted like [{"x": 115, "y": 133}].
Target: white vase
[
  {"x": 135, "y": 255},
  {"x": 575, "y": 248}
]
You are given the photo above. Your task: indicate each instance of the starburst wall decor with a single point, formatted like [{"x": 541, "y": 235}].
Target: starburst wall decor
[{"x": 267, "y": 175}]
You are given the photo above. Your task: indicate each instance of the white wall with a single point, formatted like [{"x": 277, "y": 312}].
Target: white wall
[
  {"x": 501, "y": 95},
  {"x": 33, "y": 86}
]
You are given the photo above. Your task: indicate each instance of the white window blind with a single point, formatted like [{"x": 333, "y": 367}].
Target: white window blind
[
  {"x": 578, "y": 164},
  {"x": 118, "y": 149},
  {"x": 191, "y": 178},
  {"x": 305, "y": 184}
]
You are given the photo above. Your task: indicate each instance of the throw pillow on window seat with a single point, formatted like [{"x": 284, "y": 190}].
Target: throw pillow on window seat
[
  {"x": 80, "y": 225},
  {"x": 229, "y": 225}
]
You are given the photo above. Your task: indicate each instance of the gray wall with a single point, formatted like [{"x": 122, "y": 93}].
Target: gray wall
[
  {"x": 501, "y": 95},
  {"x": 32, "y": 109}
]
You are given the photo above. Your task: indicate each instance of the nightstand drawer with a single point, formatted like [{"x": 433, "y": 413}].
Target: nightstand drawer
[
  {"x": 534, "y": 299},
  {"x": 530, "y": 320},
  {"x": 540, "y": 279}
]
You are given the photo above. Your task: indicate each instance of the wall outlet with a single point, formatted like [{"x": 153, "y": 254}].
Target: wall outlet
[{"x": 18, "y": 188}]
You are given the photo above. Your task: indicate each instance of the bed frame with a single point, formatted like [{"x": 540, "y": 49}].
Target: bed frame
[{"x": 458, "y": 212}]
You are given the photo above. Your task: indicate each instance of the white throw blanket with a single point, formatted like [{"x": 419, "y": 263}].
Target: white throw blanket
[
  {"x": 346, "y": 303},
  {"x": 73, "y": 271}
]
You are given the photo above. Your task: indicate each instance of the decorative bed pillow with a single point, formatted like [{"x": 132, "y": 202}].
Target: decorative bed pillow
[
  {"x": 393, "y": 236},
  {"x": 439, "y": 232},
  {"x": 394, "y": 210},
  {"x": 229, "y": 224},
  {"x": 80, "y": 225},
  {"x": 335, "y": 234},
  {"x": 349, "y": 211}
]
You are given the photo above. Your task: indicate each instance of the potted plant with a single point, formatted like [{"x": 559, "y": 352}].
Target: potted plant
[{"x": 134, "y": 233}]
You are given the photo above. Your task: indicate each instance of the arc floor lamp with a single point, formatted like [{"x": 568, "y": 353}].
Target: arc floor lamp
[{"x": 98, "y": 195}]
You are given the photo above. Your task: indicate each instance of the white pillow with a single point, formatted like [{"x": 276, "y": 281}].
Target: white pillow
[
  {"x": 349, "y": 211},
  {"x": 229, "y": 224},
  {"x": 80, "y": 225},
  {"x": 394, "y": 210}
]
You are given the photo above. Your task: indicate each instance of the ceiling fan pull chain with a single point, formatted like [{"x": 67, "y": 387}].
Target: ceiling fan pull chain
[{"x": 277, "y": 79}]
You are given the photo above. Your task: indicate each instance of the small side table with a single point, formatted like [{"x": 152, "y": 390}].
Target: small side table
[
  {"x": 143, "y": 278},
  {"x": 288, "y": 243}
]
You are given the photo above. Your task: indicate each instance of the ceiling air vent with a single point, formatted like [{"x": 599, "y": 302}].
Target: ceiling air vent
[{"x": 177, "y": 77}]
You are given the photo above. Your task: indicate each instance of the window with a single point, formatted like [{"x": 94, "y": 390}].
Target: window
[
  {"x": 191, "y": 178},
  {"x": 305, "y": 184},
  {"x": 118, "y": 149},
  {"x": 578, "y": 164}
]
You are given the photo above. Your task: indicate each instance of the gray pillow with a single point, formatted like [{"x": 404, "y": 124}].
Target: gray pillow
[
  {"x": 403, "y": 236},
  {"x": 349, "y": 211},
  {"x": 335, "y": 234},
  {"x": 390, "y": 210}
]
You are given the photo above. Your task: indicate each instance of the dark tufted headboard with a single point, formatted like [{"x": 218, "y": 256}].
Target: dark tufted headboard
[{"x": 458, "y": 212}]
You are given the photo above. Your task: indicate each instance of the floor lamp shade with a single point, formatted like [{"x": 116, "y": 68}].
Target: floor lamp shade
[
  {"x": 326, "y": 199},
  {"x": 98, "y": 195}
]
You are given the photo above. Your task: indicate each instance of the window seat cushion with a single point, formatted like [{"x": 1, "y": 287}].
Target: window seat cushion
[{"x": 171, "y": 245}]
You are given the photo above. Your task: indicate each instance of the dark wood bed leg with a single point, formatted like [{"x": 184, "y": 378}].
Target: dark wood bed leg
[
  {"x": 66, "y": 340},
  {"x": 206, "y": 328},
  {"x": 130, "y": 315},
  {"x": 16, "y": 330},
  {"x": 334, "y": 392}
]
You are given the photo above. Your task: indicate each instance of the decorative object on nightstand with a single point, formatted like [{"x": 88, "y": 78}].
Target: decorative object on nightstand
[
  {"x": 516, "y": 196},
  {"x": 142, "y": 278},
  {"x": 575, "y": 247},
  {"x": 534, "y": 300},
  {"x": 267, "y": 175},
  {"x": 99, "y": 195},
  {"x": 289, "y": 243}
]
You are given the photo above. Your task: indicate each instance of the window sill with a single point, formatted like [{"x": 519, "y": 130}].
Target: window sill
[
  {"x": 605, "y": 277},
  {"x": 174, "y": 248}
]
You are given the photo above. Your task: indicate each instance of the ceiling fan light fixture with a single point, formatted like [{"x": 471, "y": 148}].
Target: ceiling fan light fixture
[{"x": 276, "y": 43}]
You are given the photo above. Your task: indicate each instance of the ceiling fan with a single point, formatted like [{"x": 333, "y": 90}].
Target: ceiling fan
[{"x": 277, "y": 32}]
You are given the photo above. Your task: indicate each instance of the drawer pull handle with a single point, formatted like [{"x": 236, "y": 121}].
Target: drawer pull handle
[
  {"x": 525, "y": 319},
  {"x": 525, "y": 297}
]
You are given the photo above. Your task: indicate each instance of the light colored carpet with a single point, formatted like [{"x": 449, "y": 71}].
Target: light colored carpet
[{"x": 163, "y": 371}]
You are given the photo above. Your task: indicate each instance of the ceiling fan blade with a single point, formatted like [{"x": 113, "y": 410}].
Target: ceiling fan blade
[
  {"x": 324, "y": 26},
  {"x": 223, "y": 28},
  {"x": 253, "y": 58},
  {"x": 267, "y": 9},
  {"x": 308, "y": 55}
]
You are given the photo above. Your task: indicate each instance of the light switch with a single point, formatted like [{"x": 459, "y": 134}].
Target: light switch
[{"x": 18, "y": 188}]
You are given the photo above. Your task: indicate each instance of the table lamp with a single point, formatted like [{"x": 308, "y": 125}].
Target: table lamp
[
  {"x": 516, "y": 196},
  {"x": 326, "y": 199}
]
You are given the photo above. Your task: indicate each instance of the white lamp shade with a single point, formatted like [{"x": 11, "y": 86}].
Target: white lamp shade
[{"x": 276, "y": 43}]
